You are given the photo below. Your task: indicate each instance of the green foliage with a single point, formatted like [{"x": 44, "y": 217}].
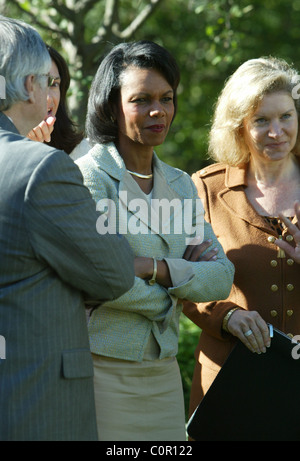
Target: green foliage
[
  {"x": 188, "y": 340},
  {"x": 210, "y": 39}
]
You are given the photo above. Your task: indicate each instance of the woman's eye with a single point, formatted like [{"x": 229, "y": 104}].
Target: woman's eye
[
  {"x": 137, "y": 100},
  {"x": 55, "y": 84},
  {"x": 260, "y": 121}
]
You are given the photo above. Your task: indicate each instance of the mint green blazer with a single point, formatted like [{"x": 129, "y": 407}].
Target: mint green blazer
[{"x": 121, "y": 328}]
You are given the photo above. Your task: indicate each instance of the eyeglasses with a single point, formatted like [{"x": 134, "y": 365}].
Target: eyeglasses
[{"x": 50, "y": 80}]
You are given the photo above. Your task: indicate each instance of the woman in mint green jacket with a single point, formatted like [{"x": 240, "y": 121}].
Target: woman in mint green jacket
[{"x": 134, "y": 339}]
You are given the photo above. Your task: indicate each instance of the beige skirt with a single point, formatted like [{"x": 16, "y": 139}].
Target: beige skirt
[{"x": 139, "y": 401}]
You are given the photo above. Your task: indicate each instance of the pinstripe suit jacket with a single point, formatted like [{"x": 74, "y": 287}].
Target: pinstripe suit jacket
[
  {"x": 121, "y": 328},
  {"x": 51, "y": 258}
]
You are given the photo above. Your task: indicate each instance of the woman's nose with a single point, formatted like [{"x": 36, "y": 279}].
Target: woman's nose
[
  {"x": 275, "y": 130},
  {"x": 157, "y": 110}
]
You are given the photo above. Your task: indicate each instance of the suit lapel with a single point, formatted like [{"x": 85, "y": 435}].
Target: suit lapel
[
  {"x": 132, "y": 200},
  {"x": 167, "y": 203},
  {"x": 164, "y": 203},
  {"x": 235, "y": 200},
  {"x": 135, "y": 202},
  {"x": 108, "y": 159},
  {"x": 7, "y": 124}
]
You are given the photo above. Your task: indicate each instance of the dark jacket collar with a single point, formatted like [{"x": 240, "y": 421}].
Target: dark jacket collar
[{"x": 7, "y": 124}]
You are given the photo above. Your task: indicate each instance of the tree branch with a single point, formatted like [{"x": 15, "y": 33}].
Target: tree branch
[
  {"x": 48, "y": 25},
  {"x": 137, "y": 22},
  {"x": 109, "y": 18},
  {"x": 64, "y": 10},
  {"x": 87, "y": 5}
]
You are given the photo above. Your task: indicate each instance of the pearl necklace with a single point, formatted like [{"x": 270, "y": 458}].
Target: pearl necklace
[{"x": 142, "y": 176}]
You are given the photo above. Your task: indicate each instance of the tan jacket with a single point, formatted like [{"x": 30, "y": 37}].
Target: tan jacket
[{"x": 263, "y": 281}]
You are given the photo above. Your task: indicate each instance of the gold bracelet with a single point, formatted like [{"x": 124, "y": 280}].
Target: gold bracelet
[
  {"x": 153, "y": 279},
  {"x": 227, "y": 317}
]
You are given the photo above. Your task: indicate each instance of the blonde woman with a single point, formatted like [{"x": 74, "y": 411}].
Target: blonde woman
[{"x": 251, "y": 198}]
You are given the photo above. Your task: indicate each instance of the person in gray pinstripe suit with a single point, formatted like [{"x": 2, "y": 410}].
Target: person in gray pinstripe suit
[{"x": 52, "y": 260}]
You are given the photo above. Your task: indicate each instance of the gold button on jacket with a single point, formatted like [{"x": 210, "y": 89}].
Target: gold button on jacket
[{"x": 247, "y": 240}]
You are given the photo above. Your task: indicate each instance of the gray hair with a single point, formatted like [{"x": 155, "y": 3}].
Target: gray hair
[{"x": 22, "y": 53}]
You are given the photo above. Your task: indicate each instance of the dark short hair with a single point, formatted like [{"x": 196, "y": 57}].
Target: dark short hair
[{"x": 105, "y": 89}]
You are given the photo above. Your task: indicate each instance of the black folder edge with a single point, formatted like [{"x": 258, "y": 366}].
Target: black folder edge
[{"x": 287, "y": 351}]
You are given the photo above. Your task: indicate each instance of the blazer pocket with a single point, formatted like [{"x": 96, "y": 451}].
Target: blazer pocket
[{"x": 77, "y": 363}]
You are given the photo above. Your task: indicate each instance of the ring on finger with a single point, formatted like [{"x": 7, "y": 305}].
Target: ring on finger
[{"x": 248, "y": 333}]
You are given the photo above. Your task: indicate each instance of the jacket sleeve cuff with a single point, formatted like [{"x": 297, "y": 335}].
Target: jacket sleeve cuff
[{"x": 181, "y": 272}]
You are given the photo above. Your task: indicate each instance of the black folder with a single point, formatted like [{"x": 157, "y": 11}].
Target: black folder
[{"x": 255, "y": 397}]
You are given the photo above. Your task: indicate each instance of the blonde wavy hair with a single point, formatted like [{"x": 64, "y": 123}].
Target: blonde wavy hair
[{"x": 239, "y": 99}]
